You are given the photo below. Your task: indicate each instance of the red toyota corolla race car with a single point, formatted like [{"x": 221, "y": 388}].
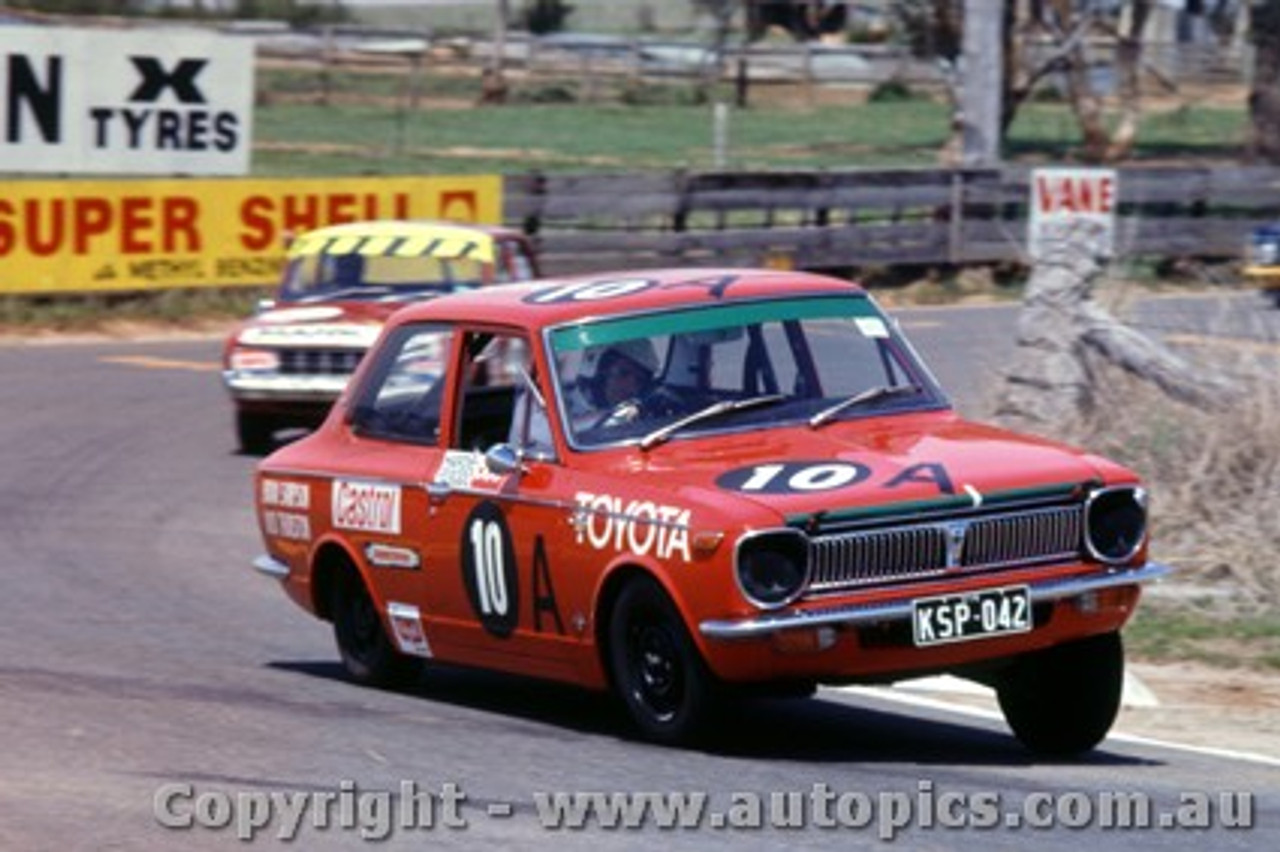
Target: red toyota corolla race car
[
  {"x": 682, "y": 483},
  {"x": 286, "y": 365}
]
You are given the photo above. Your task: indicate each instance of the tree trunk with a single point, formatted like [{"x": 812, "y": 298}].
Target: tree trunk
[
  {"x": 1069, "y": 25},
  {"x": 493, "y": 82},
  {"x": 1129, "y": 74},
  {"x": 1264, "y": 100},
  {"x": 1063, "y": 332}
]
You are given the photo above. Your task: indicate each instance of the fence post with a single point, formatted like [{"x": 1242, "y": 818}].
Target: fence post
[
  {"x": 719, "y": 134},
  {"x": 955, "y": 233},
  {"x": 809, "y": 94}
]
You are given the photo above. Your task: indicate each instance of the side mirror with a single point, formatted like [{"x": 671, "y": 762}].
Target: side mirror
[{"x": 502, "y": 459}]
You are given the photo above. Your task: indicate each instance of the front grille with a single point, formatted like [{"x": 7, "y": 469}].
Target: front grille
[
  {"x": 961, "y": 545},
  {"x": 1013, "y": 539},
  {"x": 319, "y": 362}
]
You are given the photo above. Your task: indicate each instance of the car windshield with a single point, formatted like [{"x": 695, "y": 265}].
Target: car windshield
[
  {"x": 661, "y": 376},
  {"x": 317, "y": 277}
]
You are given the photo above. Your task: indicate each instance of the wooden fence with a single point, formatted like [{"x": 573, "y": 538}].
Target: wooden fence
[{"x": 862, "y": 219}]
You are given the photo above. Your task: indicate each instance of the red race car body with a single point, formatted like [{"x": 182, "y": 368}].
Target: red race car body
[{"x": 680, "y": 484}]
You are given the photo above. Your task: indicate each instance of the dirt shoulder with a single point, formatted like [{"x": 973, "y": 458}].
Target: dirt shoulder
[
  {"x": 1234, "y": 709},
  {"x": 1193, "y": 704},
  {"x": 117, "y": 331}
]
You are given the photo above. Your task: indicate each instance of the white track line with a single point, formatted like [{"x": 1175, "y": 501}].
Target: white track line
[{"x": 902, "y": 697}]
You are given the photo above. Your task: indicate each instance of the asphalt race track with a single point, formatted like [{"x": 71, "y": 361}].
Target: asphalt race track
[{"x": 155, "y": 693}]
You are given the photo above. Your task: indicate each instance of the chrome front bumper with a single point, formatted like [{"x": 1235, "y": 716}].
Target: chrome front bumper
[
  {"x": 271, "y": 567},
  {"x": 1050, "y": 590},
  {"x": 264, "y": 387}
]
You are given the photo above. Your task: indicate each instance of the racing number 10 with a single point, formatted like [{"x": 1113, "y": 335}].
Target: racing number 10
[{"x": 491, "y": 581}]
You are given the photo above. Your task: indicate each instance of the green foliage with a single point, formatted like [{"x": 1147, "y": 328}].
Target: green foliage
[
  {"x": 891, "y": 91},
  {"x": 547, "y": 93},
  {"x": 98, "y": 312},
  {"x": 126, "y": 8},
  {"x": 1157, "y": 633},
  {"x": 296, "y": 12},
  {"x": 650, "y": 94},
  {"x": 931, "y": 29},
  {"x": 545, "y": 16}
]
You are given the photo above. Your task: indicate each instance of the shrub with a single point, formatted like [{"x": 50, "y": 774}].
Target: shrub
[
  {"x": 546, "y": 16},
  {"x": 891, "y": 91}
]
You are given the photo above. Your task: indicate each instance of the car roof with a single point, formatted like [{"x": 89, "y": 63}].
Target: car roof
[
  {"x": 401, "y": 237},
  {"x": 552, "y": 301}
]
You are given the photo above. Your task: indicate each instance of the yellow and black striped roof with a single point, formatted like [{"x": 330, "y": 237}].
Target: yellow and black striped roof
[{"x": 397, "y": 239}]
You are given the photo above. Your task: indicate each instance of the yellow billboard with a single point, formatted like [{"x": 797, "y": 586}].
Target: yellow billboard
[{"x": 85, "y": 236}]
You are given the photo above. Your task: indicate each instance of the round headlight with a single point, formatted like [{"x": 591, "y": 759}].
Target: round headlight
[
  {"x": 773, "y": 567},
  {"x": 1116, "y": 523}
]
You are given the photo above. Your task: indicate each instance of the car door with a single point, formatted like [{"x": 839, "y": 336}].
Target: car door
[
  {"x": 378, "y": 503},
  {"x": 493, "y": 526}
]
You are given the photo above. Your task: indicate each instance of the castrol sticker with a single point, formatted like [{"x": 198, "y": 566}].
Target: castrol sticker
[{"x": 366, "y": 506}]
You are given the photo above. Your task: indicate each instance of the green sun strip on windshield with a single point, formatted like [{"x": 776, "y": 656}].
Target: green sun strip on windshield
[{"x": 688, "y": 321}]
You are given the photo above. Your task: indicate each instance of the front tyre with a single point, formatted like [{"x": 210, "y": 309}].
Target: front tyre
[
  {"x": 656, "y": 668},
  {"x": 255, "y": 433},
  {"x": 1062, "y": 701},
  {"x": 368, "y": 656}
]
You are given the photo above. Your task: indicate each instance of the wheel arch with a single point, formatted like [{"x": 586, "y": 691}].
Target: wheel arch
[{"x": 329, "y": 561}]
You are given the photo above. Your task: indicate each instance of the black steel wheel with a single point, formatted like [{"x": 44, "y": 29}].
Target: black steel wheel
[
  {"x": 1062, "y": 701},
  {"x": 657, "y": 670},
  {"x": 367, "y": 654}
]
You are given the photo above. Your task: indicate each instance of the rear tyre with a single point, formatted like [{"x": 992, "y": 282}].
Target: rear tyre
[
  {"x": 255, "y": 432},
  {"x": 1062, "y": 701},
  {"x": 657, "y": 670},
  {"x": 367, "y": 654}
]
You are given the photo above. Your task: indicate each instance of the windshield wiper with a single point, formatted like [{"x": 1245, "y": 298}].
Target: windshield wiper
[
  {"x": 716, "y": 409},
  {"x": 879, "y": 392}
]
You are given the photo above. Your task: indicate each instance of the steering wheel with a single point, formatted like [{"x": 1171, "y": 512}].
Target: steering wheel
[{"x": 662, "y": 401}]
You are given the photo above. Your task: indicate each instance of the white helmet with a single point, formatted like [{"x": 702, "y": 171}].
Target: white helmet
[{"x": 597, "y": 359}]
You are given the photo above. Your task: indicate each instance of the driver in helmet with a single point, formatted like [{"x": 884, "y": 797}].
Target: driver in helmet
[{"x": 610, "y": 375}]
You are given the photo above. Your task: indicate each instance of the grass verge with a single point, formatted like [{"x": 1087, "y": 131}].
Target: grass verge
[
  {"x": 1161, "y": 634},
  {"x": 166, "y": 309}
]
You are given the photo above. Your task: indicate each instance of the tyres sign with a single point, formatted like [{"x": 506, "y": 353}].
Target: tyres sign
[{"x": 78, "y": 101}]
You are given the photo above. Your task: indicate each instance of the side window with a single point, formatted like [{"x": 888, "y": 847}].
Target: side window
[
  {"x": 401, "y": 398},
  {"x": 499, "y": 402}
]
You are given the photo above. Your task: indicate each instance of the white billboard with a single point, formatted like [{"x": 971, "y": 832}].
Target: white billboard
[
  {"x": 1072, "y": 204},
  {"x": 77, "y": 101}
]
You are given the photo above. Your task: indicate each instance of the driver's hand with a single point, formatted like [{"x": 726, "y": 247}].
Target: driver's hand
[{"x": 627, "y": 411}]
